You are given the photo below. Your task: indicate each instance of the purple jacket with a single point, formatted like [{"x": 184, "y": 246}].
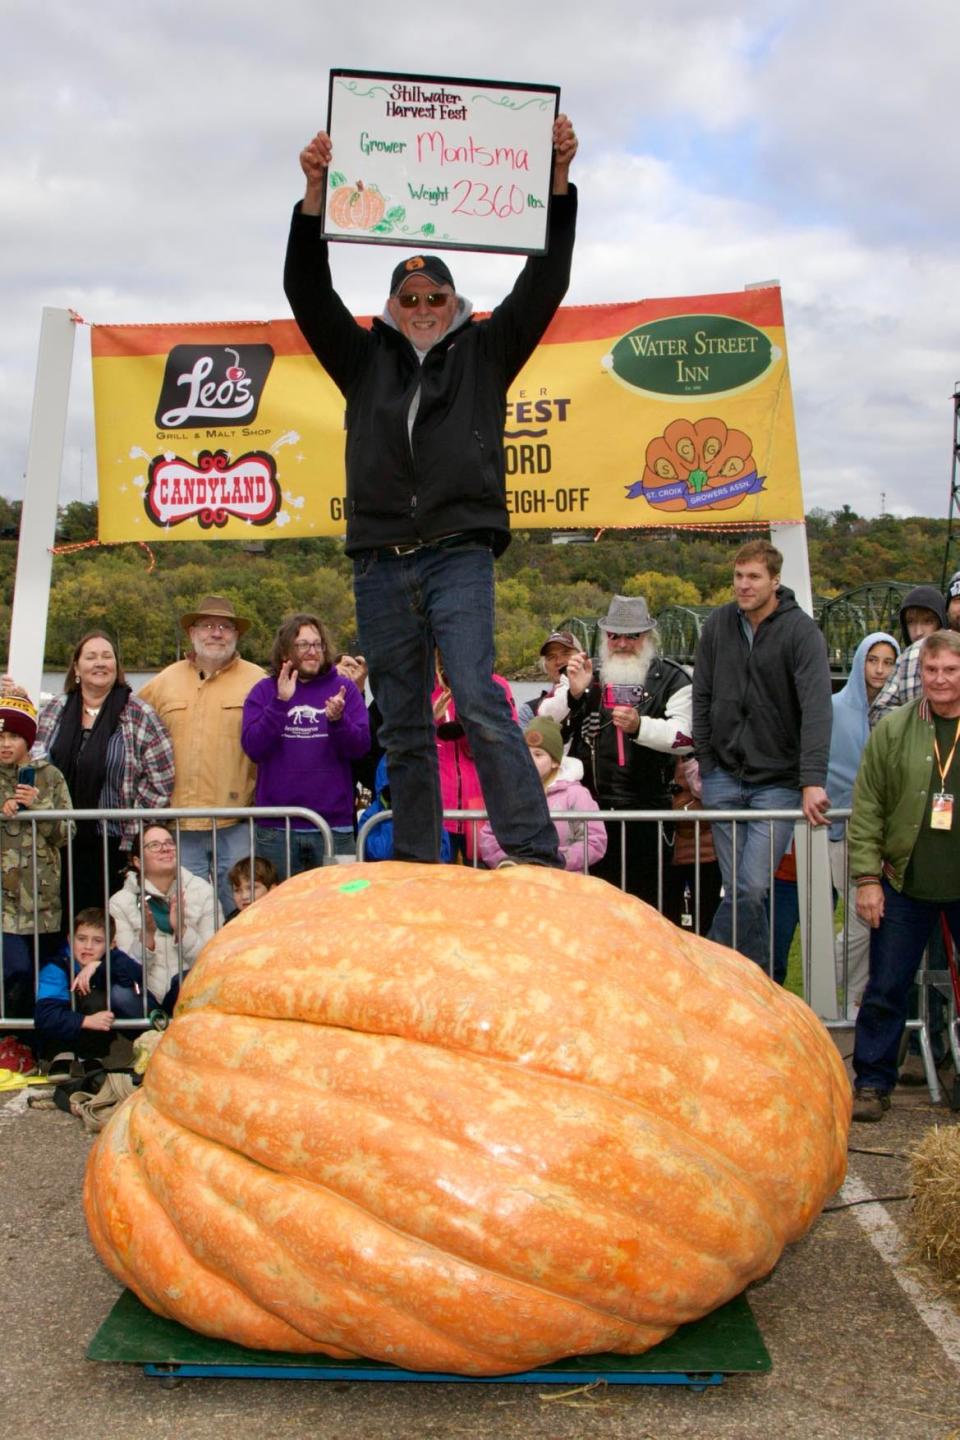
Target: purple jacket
[{"x": 301, "y": 757}]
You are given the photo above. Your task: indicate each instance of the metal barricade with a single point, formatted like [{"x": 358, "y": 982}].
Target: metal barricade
[
  {"x": 815, "y": 912},
  {"x": 39, "y": 942}
]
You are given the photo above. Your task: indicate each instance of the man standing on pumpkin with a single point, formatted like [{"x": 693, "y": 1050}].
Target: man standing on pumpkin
[{"x": 426, "y": 500}]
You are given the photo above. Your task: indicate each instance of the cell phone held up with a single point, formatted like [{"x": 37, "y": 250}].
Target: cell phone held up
[
  {"x": 26, "y": 775},
  {"x": 160, "y": 910},
  {"x": 614, "y": 695}
]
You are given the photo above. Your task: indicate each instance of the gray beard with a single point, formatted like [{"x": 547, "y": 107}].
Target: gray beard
[{"x": 624, "y": 669}]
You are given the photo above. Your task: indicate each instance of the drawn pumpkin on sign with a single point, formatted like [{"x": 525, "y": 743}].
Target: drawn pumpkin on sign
[
  {"x": 356, "y": 207},
  {"x": 704, "y": 455}
]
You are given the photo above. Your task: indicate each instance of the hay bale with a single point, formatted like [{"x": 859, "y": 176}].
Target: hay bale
[{"x": 935, "y": 1185}]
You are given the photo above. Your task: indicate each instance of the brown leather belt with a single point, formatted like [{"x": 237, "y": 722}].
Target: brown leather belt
[{"x": 443, "y": 542}]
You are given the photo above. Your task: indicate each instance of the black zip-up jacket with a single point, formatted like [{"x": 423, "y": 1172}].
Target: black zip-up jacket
[
  {"x": 644, "y": 781},
  {"x": 451, "y": 477},
  {"x": 764, "y": 713}
]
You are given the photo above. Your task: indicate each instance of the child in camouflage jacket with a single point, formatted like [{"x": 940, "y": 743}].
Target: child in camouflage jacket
[{"x": 29, "y": 852}]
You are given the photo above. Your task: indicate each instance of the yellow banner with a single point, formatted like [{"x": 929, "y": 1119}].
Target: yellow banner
[{"x": 664, "y": 412}]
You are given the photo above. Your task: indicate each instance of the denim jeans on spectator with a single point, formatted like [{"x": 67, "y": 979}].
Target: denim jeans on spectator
[
  {"x": 19, "y": 975},
  {"x": 406, "y": 605},
  {"x": 307, "y": 849},
  {"x": 896, "y": 949},
  {"x": 196, "y": 855},
  {"x": 723, "y": 791}
]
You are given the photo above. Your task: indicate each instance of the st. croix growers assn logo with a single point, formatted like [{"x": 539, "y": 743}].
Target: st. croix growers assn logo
[{"x": 697, "y": 464}]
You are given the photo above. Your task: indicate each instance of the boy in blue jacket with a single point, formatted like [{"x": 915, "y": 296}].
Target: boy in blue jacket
[{"x": 80, "y": 968}]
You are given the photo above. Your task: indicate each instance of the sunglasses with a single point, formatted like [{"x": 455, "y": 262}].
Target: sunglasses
[
  {"x": 436, "y": 299},
  {"x": 621, "y": 635}
]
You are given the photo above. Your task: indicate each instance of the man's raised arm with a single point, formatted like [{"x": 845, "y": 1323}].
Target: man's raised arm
[
  {"x": 315, "y": 160},
  {"x": 564, "y": 149}
]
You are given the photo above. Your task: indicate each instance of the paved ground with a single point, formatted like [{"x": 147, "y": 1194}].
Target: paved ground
[{"x": 852, "y": 1355}]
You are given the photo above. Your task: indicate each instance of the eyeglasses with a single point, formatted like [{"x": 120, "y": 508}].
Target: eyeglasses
[
  {"x": 227, "y": 626},
  {"x": 436, "y": 299},
  {"x": 634, "y": 635},
  {"x": 154, "y": 845},
  {"x": 304, "y": 645}
]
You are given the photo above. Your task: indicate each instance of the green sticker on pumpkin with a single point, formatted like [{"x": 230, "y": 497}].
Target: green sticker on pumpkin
[{"x": 352, "y": 885}]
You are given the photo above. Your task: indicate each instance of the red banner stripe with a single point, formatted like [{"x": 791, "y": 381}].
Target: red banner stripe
[{"x": 571, "y": 324}]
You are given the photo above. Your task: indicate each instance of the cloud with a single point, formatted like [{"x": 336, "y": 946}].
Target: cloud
[{"x": 149, "y": 164}]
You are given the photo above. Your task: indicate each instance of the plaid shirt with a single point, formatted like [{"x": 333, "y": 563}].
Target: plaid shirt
[
  {"x": 904, "y": 684},
  {"x": 146, "y": 772}
]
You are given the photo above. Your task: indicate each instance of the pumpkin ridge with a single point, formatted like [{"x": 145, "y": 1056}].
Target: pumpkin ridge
[
  {"x": 162, "y": 1154},
  {"x": 465, "y": 1122},
  {"x": 630, "y": 1105},
  {"x": 138, "y": 1278},
  {"x": 652, "y": 1227},
  {"x": 646, "y": 1227},
  {"x": 630, "y": 1087},
  {"x": 717, "y": 1159}
]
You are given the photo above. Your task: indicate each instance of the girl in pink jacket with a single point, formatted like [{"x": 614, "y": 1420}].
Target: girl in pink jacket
[
  {"x": 459, "y": 781},
  {"x": 582, "y": 842}
]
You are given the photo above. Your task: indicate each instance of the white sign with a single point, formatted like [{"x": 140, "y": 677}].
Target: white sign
[{"x": 442, "y": 163}]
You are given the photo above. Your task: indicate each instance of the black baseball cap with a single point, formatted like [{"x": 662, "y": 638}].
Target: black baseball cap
[{"x": 431, "y": 266}]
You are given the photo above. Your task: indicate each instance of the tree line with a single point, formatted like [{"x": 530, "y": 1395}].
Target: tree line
[{"x": 138, "y": 600}]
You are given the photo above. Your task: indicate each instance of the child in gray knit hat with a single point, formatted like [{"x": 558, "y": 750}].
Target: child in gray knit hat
[{"x": 582, "y": 842}]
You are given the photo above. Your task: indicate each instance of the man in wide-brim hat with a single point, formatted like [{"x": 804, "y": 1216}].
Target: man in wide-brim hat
[
  {"x": 215, "y": 607},
  {"x": 200, "y": 700}
]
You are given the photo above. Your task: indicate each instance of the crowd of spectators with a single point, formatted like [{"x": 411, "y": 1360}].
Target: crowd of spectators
[{"x": 753, "y": 727}]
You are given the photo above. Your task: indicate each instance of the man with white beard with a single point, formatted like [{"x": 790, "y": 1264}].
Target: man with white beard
[{"x": 628, "y": 726}]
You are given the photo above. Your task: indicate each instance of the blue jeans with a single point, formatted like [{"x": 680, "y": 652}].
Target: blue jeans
[
  {"x": 405, "y": 606},
  {"x": 19, "y": 984},
  {"x": 196, "y": 855},
  {"x": 786, "y": 918},
  {"x": 723, "y": 791},
  {"x": 307, "y": 849},
  {"x": 896, "y": 949}
]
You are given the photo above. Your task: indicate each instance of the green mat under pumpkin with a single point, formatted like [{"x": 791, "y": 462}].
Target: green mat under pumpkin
[{"x": 726, "y": 1342}]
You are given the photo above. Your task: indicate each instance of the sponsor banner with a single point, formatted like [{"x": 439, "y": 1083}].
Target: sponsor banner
[
  {"x": 434, "y": 162},
  {"x": 665, "y": 412}
]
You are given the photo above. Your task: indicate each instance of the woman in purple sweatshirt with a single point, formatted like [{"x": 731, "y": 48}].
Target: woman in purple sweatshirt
[{"x": 303, "y": 726}]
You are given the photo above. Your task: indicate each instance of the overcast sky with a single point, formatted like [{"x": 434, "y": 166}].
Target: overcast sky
[{"x": 149, "y": 163}]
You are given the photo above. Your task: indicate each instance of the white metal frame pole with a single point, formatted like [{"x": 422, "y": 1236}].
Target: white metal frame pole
[
  {"x": 791, "y": 541},
  {"x": 38, "y": 521}
]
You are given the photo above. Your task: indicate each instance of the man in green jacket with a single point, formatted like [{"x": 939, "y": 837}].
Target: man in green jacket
[{"x": 905, "y": 858}]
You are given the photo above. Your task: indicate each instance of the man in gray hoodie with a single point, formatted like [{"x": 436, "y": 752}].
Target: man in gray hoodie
[{"x": 762, "y": 716}]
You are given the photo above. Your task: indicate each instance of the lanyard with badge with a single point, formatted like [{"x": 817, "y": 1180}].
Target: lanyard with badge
[{"x": 941, "y": 807}]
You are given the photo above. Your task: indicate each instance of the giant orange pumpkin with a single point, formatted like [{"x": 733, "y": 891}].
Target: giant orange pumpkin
[{"x": 467, "y": 1121}]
